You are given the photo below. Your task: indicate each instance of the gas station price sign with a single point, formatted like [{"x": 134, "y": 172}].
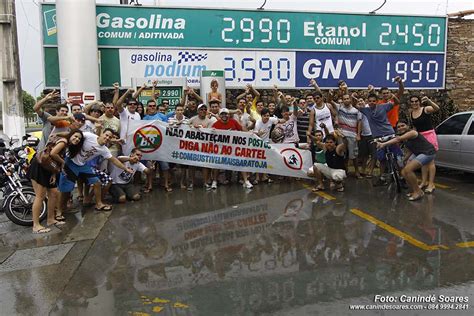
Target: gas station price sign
[
  {"x": 324, "y": 44},
  {"x": 171, "y": 94}
]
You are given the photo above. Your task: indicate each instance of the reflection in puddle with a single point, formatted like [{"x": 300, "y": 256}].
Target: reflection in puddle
[{"x": 280, "y": 252}]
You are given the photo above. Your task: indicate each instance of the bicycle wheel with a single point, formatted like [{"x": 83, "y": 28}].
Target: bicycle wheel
[
  {"x": 395, "y": 173},
  {"x": 20, "y": 211}
]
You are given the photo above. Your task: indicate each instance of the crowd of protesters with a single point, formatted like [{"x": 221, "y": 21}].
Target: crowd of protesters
[{"x": 340, "y": 128}]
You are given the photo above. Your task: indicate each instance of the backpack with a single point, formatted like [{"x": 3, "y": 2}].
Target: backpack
[{"x": 44, "y": 157}]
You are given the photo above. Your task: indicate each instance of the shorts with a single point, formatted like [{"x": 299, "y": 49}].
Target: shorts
[
  {"x": 352, "y": 148},
  {"x": 118, "y": 190},
  {"x": 367, "y": 147},
  {"x": 40, "y": 175},
  {"x": 422, "y": 158},
  {"x": 393, "y": 148},
  {"x": 72, "y": 173},
  {"x": 164, "y": 166},
  {"x": 334, "y": 174},
  {"x": 104, "y": 178}
]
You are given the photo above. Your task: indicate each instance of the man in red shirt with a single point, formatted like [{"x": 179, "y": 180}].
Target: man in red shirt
[{"x": 225, "y": 122}]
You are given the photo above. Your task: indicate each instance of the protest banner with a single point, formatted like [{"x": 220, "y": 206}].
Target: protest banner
[{"x": 216, "y": 149}]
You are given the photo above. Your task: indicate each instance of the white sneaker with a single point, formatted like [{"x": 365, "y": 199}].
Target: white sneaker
[
  {"x": 214, "y": 185},
  {"x": 207, "y": 186},
  {"x": 190, "y": 187},
  {"x": 248, "y": 185}
]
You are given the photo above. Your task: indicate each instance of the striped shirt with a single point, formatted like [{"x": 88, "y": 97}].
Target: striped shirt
[
  {"x": 302, "y": 125},
  {"x": 349, "y": 118}
]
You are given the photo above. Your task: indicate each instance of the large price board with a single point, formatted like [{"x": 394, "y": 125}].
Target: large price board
[
  {"x": 286, "y": 69},
  {"x": 273, "y": 47}
]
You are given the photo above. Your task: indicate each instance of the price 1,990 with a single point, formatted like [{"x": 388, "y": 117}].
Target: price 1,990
[
  {"x": 260, "y": 70},
  {"x": 415, "y": 71}
]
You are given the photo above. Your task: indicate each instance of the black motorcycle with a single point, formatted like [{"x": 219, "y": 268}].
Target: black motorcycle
[{"x": 17, "y": 193}]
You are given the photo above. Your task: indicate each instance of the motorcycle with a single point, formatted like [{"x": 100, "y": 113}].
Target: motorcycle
[{"x": 18, "y": 195}]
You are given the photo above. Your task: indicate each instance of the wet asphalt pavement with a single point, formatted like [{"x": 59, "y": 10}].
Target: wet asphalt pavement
[{"x": 278, "y": 249}]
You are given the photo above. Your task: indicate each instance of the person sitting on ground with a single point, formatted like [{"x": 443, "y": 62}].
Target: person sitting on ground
[
  {"x": 122, "y": 188},
  {"x": 334, "y": 169},
  {"x": 420, "y": 153}
]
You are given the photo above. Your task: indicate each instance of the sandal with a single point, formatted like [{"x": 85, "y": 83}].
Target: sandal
[
  {"x": 416, "y": 198},
  {"x": 43, "y": 230},
  {"x": 430, "y": 191},
  {"x": 147, "y": 190},
  {"x": 59, "y": 218},
  {"x": 255, "y": 182},
  {"x": 104, "y": 208},
  {"x": 58, "y": 224},
  {"x": 340, "y": 189},
  {"x": 318, "y": 188},
  {"x": 168, "y": 189},
  {"x": 369, "y": 176}
]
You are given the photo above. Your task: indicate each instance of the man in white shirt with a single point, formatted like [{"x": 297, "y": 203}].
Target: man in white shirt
[
  {"x": 77, "y": 168},
  {"x": 264, "y": 125},
  {"x": 126, "y": 114},
  {"x": 122, "y": 189},
  {"x": 321, "y": 113}
]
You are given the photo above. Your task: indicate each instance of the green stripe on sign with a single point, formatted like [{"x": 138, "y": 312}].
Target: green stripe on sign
[{"x": 109, "y": 66}]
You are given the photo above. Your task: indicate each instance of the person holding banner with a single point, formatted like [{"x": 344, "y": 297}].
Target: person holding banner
[
  {"x": 214, "y": 107},
  {"x": 289, "y": 123},
  {"x": 176, "y": 121},
  {"x": 225, "y": 122},
  {"x": 153, "y": 114},
  {"x": 121, "y": 188},
  {"x": 200, "y": 121},
  {"x": 242, "y": 117}
]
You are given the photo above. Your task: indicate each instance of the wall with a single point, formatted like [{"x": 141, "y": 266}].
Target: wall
[{"x": 460, "y": 63}]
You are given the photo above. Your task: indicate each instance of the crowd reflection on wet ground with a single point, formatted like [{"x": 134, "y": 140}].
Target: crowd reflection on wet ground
[
  {"x": 235, "y": 253},
  {"x": 277, "y": 249}
]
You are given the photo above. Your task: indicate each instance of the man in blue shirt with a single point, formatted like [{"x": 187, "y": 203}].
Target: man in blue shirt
[
  {"x": 152, "y": 115},
  {"x": 380, "y": 127}
]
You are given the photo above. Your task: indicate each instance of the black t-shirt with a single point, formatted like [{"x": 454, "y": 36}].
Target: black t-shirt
[{"x": 334, "y": 161}]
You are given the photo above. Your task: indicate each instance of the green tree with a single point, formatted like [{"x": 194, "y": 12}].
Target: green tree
[{"x": 28, "y": 102}]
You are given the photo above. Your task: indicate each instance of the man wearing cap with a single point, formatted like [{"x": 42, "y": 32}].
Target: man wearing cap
[
  {"x": 229, "y": 124},
  {"x": 200, "y": 121},
  {"x": 126, "y": 114}
]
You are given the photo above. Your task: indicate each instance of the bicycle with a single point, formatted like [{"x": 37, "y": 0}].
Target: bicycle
[{"x": 393, "y": 168}]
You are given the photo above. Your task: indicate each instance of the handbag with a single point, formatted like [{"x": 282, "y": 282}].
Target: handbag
[{"x": 46, "y": 161}]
